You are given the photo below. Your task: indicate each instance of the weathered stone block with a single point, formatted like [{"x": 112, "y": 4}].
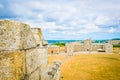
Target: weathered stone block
[
  {"x": 20, "y": 56},
  {"x": 15, "y": 35},
  {"x": 38, "y": 36},
  {"x": 12, "y": 66},
  {"x": 36, "y": 63}
]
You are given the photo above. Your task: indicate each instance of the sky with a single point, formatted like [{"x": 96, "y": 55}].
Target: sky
[{"x": 67, "y": 19}]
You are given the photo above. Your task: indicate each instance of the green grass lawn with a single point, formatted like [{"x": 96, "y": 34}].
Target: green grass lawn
[{"x": 91, "y": 67}]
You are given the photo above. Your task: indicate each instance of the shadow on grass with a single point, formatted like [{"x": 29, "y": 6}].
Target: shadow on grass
[{"x": 109, "y": 58}]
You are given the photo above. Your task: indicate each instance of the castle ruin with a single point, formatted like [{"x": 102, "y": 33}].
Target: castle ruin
[
  {"x": 88, "y": 46},
  {"x": 23, "y": 54}
]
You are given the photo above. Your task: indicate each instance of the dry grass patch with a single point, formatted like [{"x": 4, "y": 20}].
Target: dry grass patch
[
  {"x": 52, "y": 58},
  {"x": 116, "y": 50},
  {"x": 91, "y": 67}
]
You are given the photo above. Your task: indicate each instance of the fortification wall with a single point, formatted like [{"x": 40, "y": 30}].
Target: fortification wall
[
  {"x": 20, "y": 57},
  {"x": 12, "y": 65},
  {"x": 88, "y": 46},
  {"x": 28, "y": 64},
  {"x": 38, "y": 36},
  {"x": 78, "y": 48},
  {"x": 53, "y": 50},
  {"x": 15, "y": 35}
]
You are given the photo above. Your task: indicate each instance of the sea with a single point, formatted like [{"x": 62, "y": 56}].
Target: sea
[{"x": 68, "y": 41}]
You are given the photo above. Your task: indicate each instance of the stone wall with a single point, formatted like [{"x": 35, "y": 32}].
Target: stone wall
[
  {"x": 28, "y": 64},
  {"x": 54, "y": 71},
  {"x": 20, "y": 56},
  {"x": 53, "y": 49},
  {"x": 70, "y": 48},
  {"x": 12, "y": 65},
  {"x": 78, "y": 48},
  {"x": 38, "y": 36},
  {"x": 88, "y": 46},
  {"x": 96, "y": 47},
  {"x": 63, "y": 49},
  {"x": 36, "y": 64},
  {"x": 108, "y": 48},
  {"x": 114, "y": 42},
  {"x": 15, "y": 35}
]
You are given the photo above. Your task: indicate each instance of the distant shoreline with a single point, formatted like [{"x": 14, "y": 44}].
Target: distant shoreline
[{"x": 68, "y": 41}]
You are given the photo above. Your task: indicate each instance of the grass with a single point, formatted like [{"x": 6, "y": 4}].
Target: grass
[
  {"x": 117, "y": 45},
  {"x": 92, "y": 67},
  {"x": 116, "y": 50},
  {"x": 59, "y": 44},
  {"x": 52, "y": 58}
]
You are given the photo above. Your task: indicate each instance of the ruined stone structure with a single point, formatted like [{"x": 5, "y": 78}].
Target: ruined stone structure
[
  {"x": 22, "y": 54},
  {"x": 114, "y": 42},
  {"x": 53, "y": 49},
  {"x": 63, "y": 49},
  {"x": 39, "y": 37},
  {"x": 89, "y": 46},
  {"x": 54, "y": 71},
  {"x": 70, "y": 49}
]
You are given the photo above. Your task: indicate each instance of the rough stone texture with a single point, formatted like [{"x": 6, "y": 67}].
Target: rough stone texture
[
  {"x": 15, "y": 35},
  {"x": 38, "y": 36},
  {"x": 63, "y": 49},
  {"x": 12, "y": 65},
  {"x": 36, "y": 63},
  {"x": 97, "y": 46},
  {"x": 26, "y": 64},
  {"x": 78, "y": 47},
  {"x": 114, "y": 42},
  {"x": 108, "y": 47},
  {"x": 70, "y": 49},
  {"x": 20, "y": 57},
  {"x": 43, "y": 61},
  {"x": 52, "y": 49},
  {"x": 54, "y": 71},
  {"x": 88, "y": 46}
]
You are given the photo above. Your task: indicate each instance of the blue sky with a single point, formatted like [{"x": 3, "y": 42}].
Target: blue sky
[{"x": 67, "y": 19}]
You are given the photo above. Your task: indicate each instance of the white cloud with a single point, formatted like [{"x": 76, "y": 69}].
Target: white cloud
[
  {"x": 40, "y": 16},
  {"x": 89, "y": 28},
  {"x": 73, "y": 23},
  {"x": 102, "y": 20},
  {"x": 1, "y": 6},
  {"x": 112, "y": 30},
  {"x": 72, "y": 17},
  {"x": 92, "y": 28}
]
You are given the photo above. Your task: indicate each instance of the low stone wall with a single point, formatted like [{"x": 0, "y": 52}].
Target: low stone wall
[{"x": 54, "y": 71}]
